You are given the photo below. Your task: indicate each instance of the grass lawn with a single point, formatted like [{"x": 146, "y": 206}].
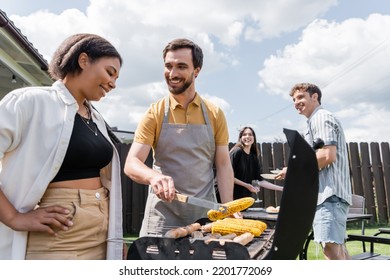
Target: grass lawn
[{"x": 354, "y": 247}]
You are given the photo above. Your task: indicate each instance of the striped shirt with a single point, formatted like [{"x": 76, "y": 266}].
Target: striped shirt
[{"x": 335, "y": 178}]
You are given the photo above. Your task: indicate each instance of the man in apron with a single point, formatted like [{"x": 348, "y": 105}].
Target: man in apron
[{"x": 188, "y": 135}]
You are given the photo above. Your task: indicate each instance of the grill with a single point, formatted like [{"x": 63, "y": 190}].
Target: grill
[
  {"x": 161, "y": 248},
  {"x": 282, "y": 240}
]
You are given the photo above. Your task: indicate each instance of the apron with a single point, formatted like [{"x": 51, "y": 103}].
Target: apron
[{"x": 186, "y": 153}]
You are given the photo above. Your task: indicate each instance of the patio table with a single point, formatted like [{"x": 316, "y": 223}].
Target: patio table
[{"x": 270, "y": 219}]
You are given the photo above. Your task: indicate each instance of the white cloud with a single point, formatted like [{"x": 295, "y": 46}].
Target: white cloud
[
  {"x": 146, "y": 25},
  {"x": 47, "y": 30},
  {"x": 220, "y": 102},
  {"x": 339, "y": 57},
  {"x": 369, "y": 122},
  {"x": 272, "y": 18},
  {"x": 125, "y": 107}
]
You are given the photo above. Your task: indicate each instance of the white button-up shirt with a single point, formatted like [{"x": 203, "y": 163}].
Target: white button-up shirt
[{"x": 36, "y": 124}]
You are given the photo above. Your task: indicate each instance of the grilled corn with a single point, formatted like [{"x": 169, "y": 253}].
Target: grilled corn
[
  {"x": 232, "y": 207},
  {"x": 238, "y": 227}
]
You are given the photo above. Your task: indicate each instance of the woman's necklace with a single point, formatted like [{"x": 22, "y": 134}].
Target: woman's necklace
[{"x": 87, "y": 120}]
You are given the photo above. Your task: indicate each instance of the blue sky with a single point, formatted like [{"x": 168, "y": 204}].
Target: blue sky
[{"x": 255, "y": 51}]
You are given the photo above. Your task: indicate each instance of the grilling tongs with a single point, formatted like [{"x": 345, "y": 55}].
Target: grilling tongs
[{"x": 200, "y": 202}]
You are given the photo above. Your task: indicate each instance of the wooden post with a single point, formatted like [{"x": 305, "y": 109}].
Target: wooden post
[
  {"x": 386, "y": 172},
  {"x": 378, "y": 183},
  {"x": 367, "y": 180},
  {"x": 356, "y": 169},
  {"x": 269, "y": 195},
  {"x": 278, "y": 160}
]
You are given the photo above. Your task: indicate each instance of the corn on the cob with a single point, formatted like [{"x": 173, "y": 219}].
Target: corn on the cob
[
  {"x": 232, "y": 207},
  {"x": 238, "y": 226},
  {"x": 225, "y": 228},
  {"x": 247, "y": 222}
]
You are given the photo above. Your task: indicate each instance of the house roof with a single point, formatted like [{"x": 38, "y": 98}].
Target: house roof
[{"x": 19, "y": 58}]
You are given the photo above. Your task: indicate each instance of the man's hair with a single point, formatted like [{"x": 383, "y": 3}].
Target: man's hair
[
  {"x": 182, "y": 43},
  {"x": 307, "y": 87}
]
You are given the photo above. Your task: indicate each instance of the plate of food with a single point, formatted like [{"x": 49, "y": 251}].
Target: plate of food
[
  {"x": 255, "y": 209},
  {"x": 272, "y": 209},
  {"x": 268, "y": 176},
  {"x": 276, "y": 171}
]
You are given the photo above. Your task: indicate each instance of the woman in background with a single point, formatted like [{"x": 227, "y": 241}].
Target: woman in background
[{"x": 244, "y": 157}]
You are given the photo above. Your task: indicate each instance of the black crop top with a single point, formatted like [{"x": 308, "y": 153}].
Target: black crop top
[{"x": 87, "y": 153}]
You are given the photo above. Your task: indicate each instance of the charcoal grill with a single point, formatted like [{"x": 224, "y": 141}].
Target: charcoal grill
[
  {"x": 284, "y": 240},
  {"x": 162, "y": 248}
]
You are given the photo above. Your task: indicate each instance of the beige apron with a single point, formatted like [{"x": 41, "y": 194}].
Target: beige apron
[{"x": 186, "y": 153}]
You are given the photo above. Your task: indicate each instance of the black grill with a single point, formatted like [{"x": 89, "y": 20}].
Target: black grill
[
  {"x": 161, "y": 248},
  {"x": 283, "y": 241}
]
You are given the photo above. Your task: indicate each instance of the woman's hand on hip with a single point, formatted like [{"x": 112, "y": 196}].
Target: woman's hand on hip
[{"x": 44, "y": 219}]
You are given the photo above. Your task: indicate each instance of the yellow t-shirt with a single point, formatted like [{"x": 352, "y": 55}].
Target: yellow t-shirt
[{"x": 148, "y": 130}]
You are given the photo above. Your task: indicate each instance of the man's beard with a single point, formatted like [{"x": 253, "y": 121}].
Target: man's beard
[{"x": 180, "y": 90}]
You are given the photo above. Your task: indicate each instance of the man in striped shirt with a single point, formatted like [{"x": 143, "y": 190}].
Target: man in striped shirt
[{"x": 335, "y": 194}]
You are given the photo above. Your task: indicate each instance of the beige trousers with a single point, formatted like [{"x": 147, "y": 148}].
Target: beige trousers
[{"x": 86, "y": 239}]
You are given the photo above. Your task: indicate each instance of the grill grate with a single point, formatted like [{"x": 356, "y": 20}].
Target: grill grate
[{"x": 159, "y": 248}]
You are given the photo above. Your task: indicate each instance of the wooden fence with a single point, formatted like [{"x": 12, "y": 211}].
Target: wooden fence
[{"x": 370, "y": 175}]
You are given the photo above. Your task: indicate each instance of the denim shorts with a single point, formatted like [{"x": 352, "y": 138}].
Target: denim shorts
[{"x": 330, "y": 221}]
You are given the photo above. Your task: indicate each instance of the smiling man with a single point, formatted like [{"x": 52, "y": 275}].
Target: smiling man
[
  {"x": 188, "y": 135},
  {"x": 334, "y": 195}
]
